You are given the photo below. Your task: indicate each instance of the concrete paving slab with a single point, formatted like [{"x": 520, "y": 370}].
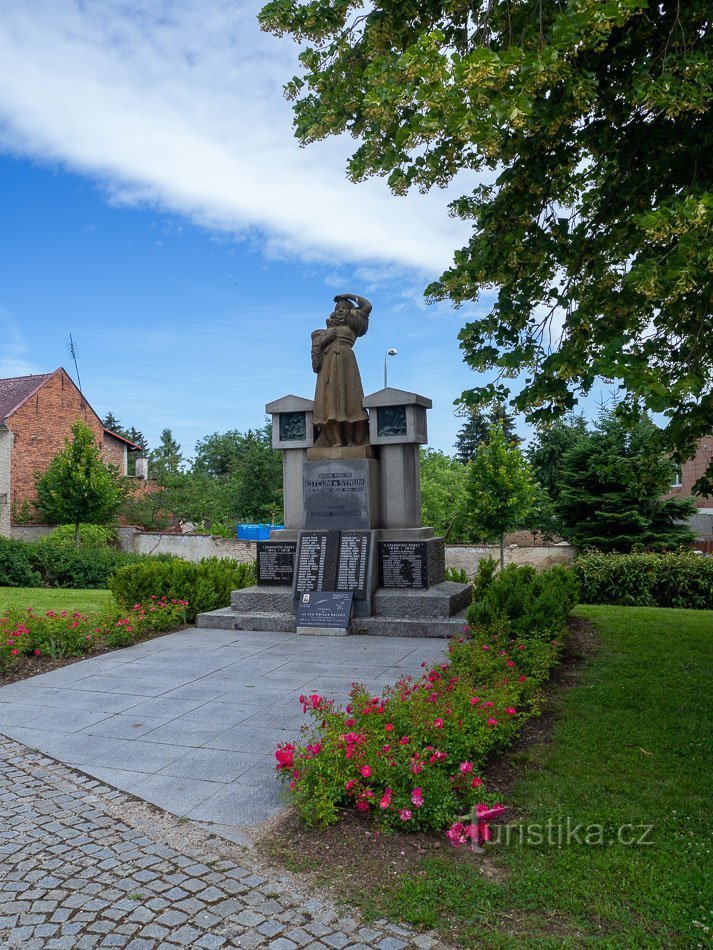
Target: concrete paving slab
[{"x": 190, "y": 721}]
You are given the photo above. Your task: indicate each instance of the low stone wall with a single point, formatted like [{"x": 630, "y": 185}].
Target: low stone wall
[
  {"x": 194, "y": 547},
  {"x": 467, "y": 556},
  {"x": 191, "y": 547}
]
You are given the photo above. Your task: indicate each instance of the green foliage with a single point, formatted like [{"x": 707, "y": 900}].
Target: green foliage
[
  {"x": 683, "y": 580},
  {"x": 166, "y": 458},
  {"x": 90, "y": 536},
  {"x": 59, "y": 634},
  {"x": 586, "y": 129},
  {"x": 444, "y": 496},
  {"x": 502, "y": 491},
  {"x": 548, "y": 448},
  {"x": 611, "y": 482},
  {"x": 476, "y": 431},
  {"x": 234, "y": 477},
  {"x": 63, "y": 565},
  {"x": 522, "y": 602},
  {"x": 206, "y": 585},
  {"x": 15, "y": 565},
  {"x": 78, "y": 487},
  {"x": 412, "y": 757},
  {"x": 457, "y": 574}
]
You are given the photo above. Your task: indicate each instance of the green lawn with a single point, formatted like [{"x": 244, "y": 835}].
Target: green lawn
[
  {"x": 42, "y": 599},
  {"x": 631, "y": 749}
]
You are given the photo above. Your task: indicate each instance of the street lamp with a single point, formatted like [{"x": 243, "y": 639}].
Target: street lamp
[{"x": 390, "y": 352}]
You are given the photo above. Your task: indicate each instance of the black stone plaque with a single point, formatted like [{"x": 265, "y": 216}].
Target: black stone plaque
[
  {"x": 353, "y": 562},
  {"x": 275, "y": 562},
  {"x": 403, "y": 564},
  {"x": 316, "y": 563},
  {"x": 336, "y": 495},
  {"x": 325, "y": 609}
]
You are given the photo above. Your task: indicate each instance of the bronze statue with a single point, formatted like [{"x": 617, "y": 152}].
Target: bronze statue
[{"x": 338, "y": 411}]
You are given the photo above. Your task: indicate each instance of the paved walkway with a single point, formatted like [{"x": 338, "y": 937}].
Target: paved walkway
[
  {"x": 190, "y": 721},
  {"x": 84, "y": 866}
]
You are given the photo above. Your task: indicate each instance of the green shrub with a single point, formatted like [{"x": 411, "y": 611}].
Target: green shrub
[
  {"x": 521, "y": 601},
  {"x": 90, "y": 536},
  {"x": 206, "y": 585},
  {"x": 15, "y": 564},
  {"x": 457, "y": 574},
  {"x": 646, "y": 580},
  {"x": 66, "y": 566}
]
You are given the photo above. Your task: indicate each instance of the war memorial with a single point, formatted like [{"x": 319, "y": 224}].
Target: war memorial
[{"x": 353, "y": 556}]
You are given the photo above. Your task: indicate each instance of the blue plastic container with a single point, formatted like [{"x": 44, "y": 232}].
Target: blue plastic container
[{"x": 256, "y": 532}]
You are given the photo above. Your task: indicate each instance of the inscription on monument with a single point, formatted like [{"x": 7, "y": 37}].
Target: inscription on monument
[
  {"x": 324, "y": 609},
  {"x": 403, "y": 564},
  {"x": 316, "y": 561},
  {"x": 353, "y": 562},
  {"x": 275, "y": 562},
  {"x": 336, "y": 495}
]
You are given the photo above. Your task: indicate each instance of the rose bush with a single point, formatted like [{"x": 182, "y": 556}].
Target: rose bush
[
  {"x": 58, "y": 634},
  {"x": 413, "y": 756}
]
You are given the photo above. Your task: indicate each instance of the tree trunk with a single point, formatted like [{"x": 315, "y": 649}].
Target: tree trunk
[{"x": 502, "y": 552}]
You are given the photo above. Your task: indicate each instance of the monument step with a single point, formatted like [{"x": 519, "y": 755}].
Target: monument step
[
  {"x": 442, "y": 600},
  {"x": 408, "y": 627},
  {"x": 276, "y": 599},
  {"x": 226, "y": 618}
]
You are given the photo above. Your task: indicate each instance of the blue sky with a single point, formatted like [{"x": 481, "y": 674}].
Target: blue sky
[{"x": 156, "y": 205}]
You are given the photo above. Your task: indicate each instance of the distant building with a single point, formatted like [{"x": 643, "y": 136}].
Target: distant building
[
  {"x": 685, "y": 478},
  {"x": 36, "y": 416}
]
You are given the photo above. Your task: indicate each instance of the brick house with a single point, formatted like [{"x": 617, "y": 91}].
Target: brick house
[
  {"x": 36, "y": 415},
  {"x": 686, "y": 477}
]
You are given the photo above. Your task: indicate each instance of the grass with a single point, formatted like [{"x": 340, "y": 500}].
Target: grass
[
  {"x": 629, "y": 748},
  {"x": 42, "y": 599}
]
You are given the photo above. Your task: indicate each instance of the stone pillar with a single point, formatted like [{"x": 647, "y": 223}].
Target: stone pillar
[
  {"x": 397, "y": 425},
  {"x": 292, "y": 434}
]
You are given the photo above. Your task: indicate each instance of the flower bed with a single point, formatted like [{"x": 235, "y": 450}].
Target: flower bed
[
  {"x": 59, "y": 634},
  {"x": 413, "y": 756}
]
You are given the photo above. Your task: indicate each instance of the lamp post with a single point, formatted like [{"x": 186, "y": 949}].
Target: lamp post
[{"x": 390, "y": 352}]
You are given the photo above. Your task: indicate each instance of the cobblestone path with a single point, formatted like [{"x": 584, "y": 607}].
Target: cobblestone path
[{"x": 83, "y": 865}]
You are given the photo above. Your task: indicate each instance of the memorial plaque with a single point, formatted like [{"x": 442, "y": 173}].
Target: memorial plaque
[
  {"x": 336, "y": 494},
  {"x": 275, "y": 562},
  {"x": 403, "y": 564},
  {"x": 325, "y": 609},
  {"x": 316, "y": 564},
  {"x": 353, "y": 562}
]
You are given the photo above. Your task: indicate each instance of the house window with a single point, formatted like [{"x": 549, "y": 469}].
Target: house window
[{"x": 677, "y": 477}]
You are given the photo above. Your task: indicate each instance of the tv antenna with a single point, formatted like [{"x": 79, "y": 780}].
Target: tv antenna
[{"x": 73, "y": 354}]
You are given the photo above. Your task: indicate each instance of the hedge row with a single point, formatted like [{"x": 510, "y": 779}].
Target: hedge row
[
  {"x": 206, "y": 585},
  {"x": 646, "y": 580}
]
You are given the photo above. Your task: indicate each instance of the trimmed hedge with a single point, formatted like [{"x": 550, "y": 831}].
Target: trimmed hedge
[
  {"x": 521, "y": 601},
  {"x": 206, "y": 585},
  {"x": 59, "y": 565},
  {"x": 646, "y": 580},
  {"x": 16, "y": 568}
]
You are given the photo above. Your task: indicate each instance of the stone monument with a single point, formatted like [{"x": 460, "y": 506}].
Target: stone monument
[{"x": 354, "y": 556}]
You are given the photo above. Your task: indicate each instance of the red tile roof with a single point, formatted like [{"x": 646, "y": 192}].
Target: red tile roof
[{"x": 14, "y": 391}]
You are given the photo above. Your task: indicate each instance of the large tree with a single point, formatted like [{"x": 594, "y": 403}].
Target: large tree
[
  {"x": 611, "y": 484},
  {"x": 588, "y": 126},
  {"x": 78, "y": 486}
]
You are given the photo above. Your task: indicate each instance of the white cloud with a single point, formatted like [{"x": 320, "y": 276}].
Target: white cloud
[{"x": 179, "y": 105}]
